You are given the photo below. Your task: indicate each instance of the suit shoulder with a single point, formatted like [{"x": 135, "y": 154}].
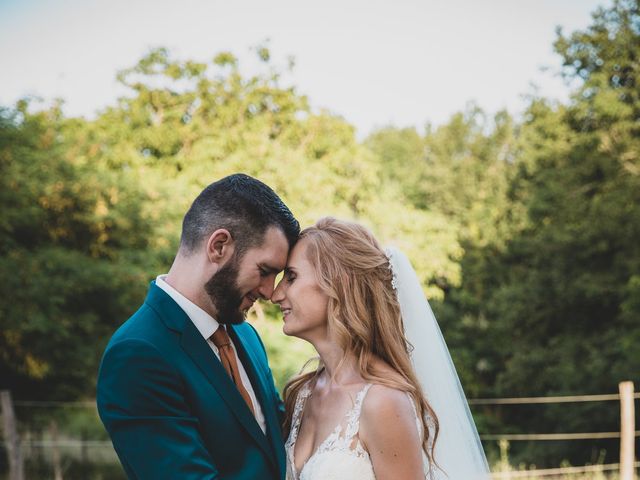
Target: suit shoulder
[
  {"x": 136, "y": 324},
  {"x": 246, "y": 327},
  {"x": 249, "y": 334}
]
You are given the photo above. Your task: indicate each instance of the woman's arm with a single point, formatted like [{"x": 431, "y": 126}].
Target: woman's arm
[{"x": 389, "y": 432}]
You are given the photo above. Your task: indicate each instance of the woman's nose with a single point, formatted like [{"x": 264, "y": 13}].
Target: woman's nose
[{"x": 278, "y": 293}]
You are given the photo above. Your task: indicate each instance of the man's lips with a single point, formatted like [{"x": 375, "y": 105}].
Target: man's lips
[
  {"x": 248, "y": 300},
  {"x": 285, "y": 312}
]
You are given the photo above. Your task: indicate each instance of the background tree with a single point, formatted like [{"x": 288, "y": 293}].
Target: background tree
[
  {"x": 524, "y": 232},
  {"x": 72, "y": 243},
  {"x": 561, "y": 297}
]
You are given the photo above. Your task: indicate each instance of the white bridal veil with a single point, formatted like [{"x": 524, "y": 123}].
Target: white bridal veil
[{"x": 458, "y": 450}]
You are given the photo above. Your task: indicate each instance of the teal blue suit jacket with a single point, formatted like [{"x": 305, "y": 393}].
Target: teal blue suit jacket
[{"x": 171, "y": 409}]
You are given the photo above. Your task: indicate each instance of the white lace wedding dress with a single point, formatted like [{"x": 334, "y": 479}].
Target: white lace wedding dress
[{"x": 341, "y": 455}]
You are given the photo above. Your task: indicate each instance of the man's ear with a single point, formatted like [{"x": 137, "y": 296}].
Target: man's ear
[{"x": 220, "y": 246}]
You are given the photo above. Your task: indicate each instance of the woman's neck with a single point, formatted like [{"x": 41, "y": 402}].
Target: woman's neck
[{"x": 339, "y": 368}]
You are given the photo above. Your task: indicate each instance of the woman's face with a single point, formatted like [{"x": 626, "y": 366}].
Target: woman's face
[{"x": 303, "y": 303}]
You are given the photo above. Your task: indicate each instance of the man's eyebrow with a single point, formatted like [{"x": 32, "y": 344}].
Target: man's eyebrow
[{"x": 269, "y": 268}]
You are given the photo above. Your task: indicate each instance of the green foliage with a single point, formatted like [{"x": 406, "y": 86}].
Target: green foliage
[
  {"x": 547, "y": 213},
  {"x": 560, "y": 294},
  {"x": 72, "y": 242},
  {"x": 524, "y": 233},
  {"x": 92, "y": 209}
]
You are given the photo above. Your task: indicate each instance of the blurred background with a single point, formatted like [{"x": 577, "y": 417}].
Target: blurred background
[{"x": 496, "y": 142}]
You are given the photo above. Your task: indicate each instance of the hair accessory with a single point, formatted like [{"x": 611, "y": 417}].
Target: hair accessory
[{"x": 394, "y": 278}]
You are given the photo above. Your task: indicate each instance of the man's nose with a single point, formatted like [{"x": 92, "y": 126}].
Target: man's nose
[
  {"x": 266, "y": 288},
  {"x": 278, "y": 294}
]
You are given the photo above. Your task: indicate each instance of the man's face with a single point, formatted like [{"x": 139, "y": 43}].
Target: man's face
[{"x": 241, "y": 281}]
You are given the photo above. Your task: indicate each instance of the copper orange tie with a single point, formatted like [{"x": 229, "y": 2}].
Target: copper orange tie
[{"x": 221, "y": 340}]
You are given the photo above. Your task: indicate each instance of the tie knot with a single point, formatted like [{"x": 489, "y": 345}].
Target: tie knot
[{"x": 220, "y": 337}]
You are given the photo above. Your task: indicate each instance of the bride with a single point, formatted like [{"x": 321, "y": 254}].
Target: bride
[{"x": 385, "y": 401}]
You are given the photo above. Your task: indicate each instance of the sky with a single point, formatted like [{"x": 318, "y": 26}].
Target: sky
[{"x": 374, "y": 62}]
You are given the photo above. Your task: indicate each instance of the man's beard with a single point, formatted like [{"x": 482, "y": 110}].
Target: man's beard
[{"x": 223, "y": 291}]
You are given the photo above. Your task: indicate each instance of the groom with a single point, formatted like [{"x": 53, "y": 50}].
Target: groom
[{"x": 184, "y": 388}]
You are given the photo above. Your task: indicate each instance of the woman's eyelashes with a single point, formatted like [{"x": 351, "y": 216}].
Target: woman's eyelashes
[{"x": 289, "y": 276}]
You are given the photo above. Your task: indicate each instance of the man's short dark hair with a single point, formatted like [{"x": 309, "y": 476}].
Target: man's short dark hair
[{"x": 241, "y": 204}]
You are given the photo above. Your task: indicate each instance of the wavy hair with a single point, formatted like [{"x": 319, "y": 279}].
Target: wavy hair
[{"x": 363, "y": 314}]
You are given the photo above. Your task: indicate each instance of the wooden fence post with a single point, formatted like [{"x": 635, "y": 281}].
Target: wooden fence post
[
  {"x": 55, "y": 451},
  {"x": 11, "y": 438},
  {"x": 627, "y": 431}
]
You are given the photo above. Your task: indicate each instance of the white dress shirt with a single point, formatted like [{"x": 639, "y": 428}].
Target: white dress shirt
[{"x": 207, "y": 325}]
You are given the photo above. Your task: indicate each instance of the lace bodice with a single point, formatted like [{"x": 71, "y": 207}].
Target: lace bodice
[{"x": 341, "y": 455}]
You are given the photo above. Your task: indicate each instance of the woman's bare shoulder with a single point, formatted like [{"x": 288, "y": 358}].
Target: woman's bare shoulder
[{"x": 387, "y": 402}]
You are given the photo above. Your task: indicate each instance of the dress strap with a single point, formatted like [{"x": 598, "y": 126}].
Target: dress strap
[
  {"x": 301, "y": 399},
  {"x": 353, "y": 416}
]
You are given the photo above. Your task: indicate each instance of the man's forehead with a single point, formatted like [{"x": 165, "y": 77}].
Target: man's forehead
[{"x": 274, "y": 249}]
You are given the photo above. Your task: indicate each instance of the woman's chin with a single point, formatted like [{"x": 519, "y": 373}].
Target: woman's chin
[
  {"x": 286, "y": 329},
  {"x": 290, "y": 331}
]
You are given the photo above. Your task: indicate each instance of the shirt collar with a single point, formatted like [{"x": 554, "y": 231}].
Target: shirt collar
[{"x": 204, "y": 322}]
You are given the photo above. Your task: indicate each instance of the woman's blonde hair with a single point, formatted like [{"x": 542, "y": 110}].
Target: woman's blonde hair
[{"x": 363, "y": 313}]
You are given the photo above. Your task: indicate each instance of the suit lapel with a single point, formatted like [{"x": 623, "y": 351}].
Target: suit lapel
[
  {"x": 260, "y": 387},
  {"x": 197, "y": 348},
  {"x": 201, "y": 354}
]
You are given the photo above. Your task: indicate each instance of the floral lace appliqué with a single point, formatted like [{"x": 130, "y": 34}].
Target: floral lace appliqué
[
  {"x": 341, "y": 455},
  {"x": 338, "y": 441}
]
